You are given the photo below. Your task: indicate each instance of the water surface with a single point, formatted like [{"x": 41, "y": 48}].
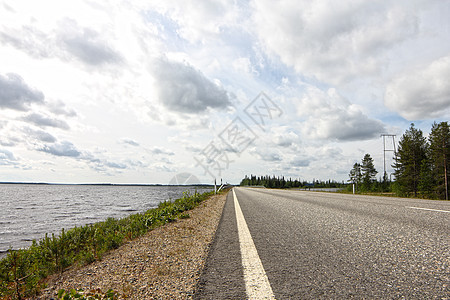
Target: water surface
[{"x": 28, "y": 211}]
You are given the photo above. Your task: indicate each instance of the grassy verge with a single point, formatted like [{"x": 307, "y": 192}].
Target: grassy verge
[
  {"x": 22, "y": 272},
  {"x": 390, "y": 195},
  {"x": 381, "y": 194}
]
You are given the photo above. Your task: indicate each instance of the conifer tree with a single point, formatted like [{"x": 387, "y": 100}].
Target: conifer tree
[
  {"x": 368, "y": 172},
  {"x": 440, "y": 157},
  {"x": 408, "y": 159},
  {"x": 426, "y": 182},
  {"x": 355, "y": 174}
]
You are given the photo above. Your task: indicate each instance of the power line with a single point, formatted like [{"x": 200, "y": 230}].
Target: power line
[{"x": 384, "y": 135}]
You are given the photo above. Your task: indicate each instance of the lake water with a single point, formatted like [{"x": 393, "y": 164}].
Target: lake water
[{"x": 29, "y": 211}]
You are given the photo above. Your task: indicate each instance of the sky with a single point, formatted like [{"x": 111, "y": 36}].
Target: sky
[{"x": 191, "y": 91}]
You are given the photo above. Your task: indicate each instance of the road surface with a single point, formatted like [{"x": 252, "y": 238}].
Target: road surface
[{"x": 310, "y": 245}]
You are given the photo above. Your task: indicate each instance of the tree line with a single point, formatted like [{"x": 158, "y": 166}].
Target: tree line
[
  {"x": 282, "y": 183},
  {"x": 421, "y": 164},
  {"x": 421, "y": 169}
]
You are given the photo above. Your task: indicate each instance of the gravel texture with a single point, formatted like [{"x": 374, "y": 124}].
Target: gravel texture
[{"x": 163, "y": 264}]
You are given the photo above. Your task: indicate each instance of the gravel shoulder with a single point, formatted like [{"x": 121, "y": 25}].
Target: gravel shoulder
[{"x": 163, "y": 264}]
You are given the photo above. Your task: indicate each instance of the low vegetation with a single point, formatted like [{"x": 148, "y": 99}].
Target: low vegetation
[
  {"x": 89, "y": 295},
  {"x": 22, "y": 272}
]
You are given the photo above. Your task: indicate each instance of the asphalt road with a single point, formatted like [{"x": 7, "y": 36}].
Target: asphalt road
[{"x": 323, "y": 245}]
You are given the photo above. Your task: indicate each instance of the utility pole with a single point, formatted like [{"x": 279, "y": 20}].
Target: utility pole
[{"x": 384, "y": 135}]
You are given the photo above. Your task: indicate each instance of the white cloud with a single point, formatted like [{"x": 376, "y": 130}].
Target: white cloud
[
  {"x": 16, "y": 94},
  {"x": 285, "y": 137},
  {"x": 160, "y": 151},
  {"x": 300, "y": 162},
  {"x": 88, "y": 45},
  {"x": 95, "y": 161},
  {"x": 182, "y": 88},
  {"x": 30, "y": 40},
  {"x": 115, "y": 165},
  {"x": 335, "y": 41},
  {"x": 60, "y": 108},
  {"x": 7, "y": 158},
  {"x": 46, "y": 121},
  {"x": 64, "y": 148},
  {"x": 423, "y": 93},
  {"x": 330, "y": 152},
  {"x": 130, "y": 142},
  {"x": 200, "y": 20},
  {"x": 266, "y": 154},
  {"x": 39, "y": 135},
  {"x": 9, "y": 141},
  {"x": 243, "y": 65},
  {"x": 63, "y": 37},
  {"x": 99, "y": 163},
  {"x": 329, "y": 116}
]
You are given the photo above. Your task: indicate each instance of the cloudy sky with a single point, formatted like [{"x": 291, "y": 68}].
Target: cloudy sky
[{"x": 143, "y": 91}]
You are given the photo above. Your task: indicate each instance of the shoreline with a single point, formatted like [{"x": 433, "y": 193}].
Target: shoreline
[
  {"x": 164, "y": 263},
  {"x": 109, "y": 184},
  {"x": 32, "y": 210}
]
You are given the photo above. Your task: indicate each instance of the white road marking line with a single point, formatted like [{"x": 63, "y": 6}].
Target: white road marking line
[
  {"x": 422, "y": 208},
  {"x": 257, "y": 284}
]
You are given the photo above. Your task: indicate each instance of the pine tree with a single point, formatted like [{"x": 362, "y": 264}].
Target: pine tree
[
  {"x": 368, "y": 172},
  {"x": 245, "y": 182},
  {"x": 408, "y": 159},
  {"x": 426, "y": 182},
  {"x": 355, "y": 174},
  {"x": 440, "y": 157}
]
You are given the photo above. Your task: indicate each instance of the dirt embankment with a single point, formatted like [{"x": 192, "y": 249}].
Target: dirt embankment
[{"x": 163, "y": 264}]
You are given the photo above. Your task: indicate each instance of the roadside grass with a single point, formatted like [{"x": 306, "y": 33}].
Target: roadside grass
[
  {"x": 23, "y": 272},
  {"x": 382, "y": 194},
  {"x": 389, "y": 195}
]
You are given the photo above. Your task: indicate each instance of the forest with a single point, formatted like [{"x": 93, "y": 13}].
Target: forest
[
  {"x": 279, "y": 182},
  {"x": 420, "y": 169}
]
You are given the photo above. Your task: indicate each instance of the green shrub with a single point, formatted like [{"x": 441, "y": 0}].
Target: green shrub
[
  {"x": 89, "y": 295},
  {"x": 22, "y": 272}
]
